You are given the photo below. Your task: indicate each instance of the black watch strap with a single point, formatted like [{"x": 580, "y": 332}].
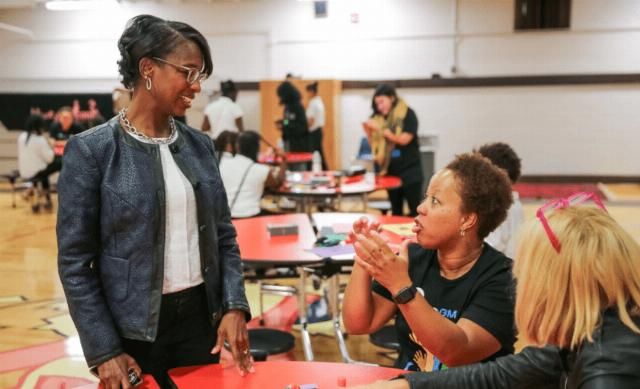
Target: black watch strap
[{"x": 405, "y": 295}]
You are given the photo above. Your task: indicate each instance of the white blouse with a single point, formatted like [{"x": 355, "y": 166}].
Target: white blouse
[{"x": 181, "y": 246}]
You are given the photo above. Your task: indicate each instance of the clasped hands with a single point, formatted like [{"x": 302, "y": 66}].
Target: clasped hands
[
  {"x": 375, "y": 256},
  {"x": 371, "y": 126}
]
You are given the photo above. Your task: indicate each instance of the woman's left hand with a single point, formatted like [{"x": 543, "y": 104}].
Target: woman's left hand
[
  {"x": 233, "y": 329},
  {"x": 376, "y": 257}
]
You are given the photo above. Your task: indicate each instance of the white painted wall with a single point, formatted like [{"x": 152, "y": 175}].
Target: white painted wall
[{"x": 557, "y": 130}]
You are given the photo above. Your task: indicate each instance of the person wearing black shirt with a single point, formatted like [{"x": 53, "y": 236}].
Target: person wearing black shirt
[
  {"x": 451, "y": 294},
  {"x": 392, "y": 132},
  {"x": 294, "y": 126},
  {"x": 64, "y": 126}
]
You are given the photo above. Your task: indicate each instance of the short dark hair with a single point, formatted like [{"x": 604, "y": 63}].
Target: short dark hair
[
  {"x": 484, "y": 189},
  {"x": 224, "y": 139},
  {"x": 383, "y": 90},
  {"x": 288, "y": 94},
  {"x": 504, "y": 157},
  {"x": 147, "y": 36},
  {"x": 313, "y": 87},
  {"x": 228, "y": 87},
  {"x": 249, "y": 144}
]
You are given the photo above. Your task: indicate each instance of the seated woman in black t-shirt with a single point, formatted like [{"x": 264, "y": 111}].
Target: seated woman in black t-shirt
[
  {"x": 578, "y": 292},
  {"x": 451, "y": 294}
]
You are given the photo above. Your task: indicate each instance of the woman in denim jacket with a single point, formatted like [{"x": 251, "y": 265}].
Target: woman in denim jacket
[{"x": 148, "y": 256}]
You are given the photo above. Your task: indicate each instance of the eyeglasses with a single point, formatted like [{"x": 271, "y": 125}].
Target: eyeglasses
[
  {"x": 193, "y": 75},
  {"x": 553, "y": 205}
]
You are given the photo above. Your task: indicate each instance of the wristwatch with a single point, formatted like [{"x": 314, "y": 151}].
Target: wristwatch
[{"x": 405, "y": 295}]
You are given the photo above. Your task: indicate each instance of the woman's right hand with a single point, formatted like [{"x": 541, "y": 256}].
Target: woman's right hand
[
  {"x": 363, "y": 226},
  {"x": 114, "y": 373}
]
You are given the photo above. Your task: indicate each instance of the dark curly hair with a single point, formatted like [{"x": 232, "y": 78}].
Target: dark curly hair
[
  {"x": 504, "y": 157},
  {"x": 484, "y": 188},
  {"x": 149, "y": 36},
  {"x": 288, "y": 94}
]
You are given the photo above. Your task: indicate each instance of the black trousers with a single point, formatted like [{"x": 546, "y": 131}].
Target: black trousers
[
  {"x": 315, "y": 144},
  {"x": 411, "y": 192},
  {"x": 185, "y": 336},
  {"x": 42, "y": 177}
]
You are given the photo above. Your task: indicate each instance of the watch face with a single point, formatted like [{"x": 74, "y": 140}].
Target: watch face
[{"x": 405, "y": 295}]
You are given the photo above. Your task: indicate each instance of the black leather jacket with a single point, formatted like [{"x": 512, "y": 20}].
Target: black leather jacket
[
  {"x": 111, "y": 220},
  {"x": 611, "y": 361}
]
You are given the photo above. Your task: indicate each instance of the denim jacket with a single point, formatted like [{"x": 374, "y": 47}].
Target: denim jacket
[{"x": 111, "y": 224}]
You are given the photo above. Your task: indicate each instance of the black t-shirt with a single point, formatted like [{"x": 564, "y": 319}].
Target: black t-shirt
[
  {"x": 295, "y": 129},
  {"x": 405, "y": 160},
  {"x": 483, "y": 295},
  {"x": 55, "y": 131}
]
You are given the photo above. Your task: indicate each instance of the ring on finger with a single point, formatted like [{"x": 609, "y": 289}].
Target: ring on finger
[{"x": 133, "y": 377}]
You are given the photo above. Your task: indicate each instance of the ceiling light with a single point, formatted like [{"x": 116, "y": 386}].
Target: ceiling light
[{"x": 76, "y": 5}]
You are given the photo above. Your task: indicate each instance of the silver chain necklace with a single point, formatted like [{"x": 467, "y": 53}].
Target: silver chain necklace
[{"x": 158, "y": 141}]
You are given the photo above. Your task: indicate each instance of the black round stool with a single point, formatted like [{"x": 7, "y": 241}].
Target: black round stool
[{"x": 269, "y": 341}]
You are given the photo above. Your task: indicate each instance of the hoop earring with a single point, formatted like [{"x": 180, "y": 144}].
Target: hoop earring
[
  {"x": 147, "y": 83},
  {"x": 462, "y": 232}
]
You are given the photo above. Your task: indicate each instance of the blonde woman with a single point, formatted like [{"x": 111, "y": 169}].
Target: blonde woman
[{"x": 578, "y": 292}]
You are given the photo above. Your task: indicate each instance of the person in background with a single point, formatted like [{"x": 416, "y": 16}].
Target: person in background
[
  {"x": 245, "y": 179},
  {"x": 35, "y": 156},
  {"x": 152, "y": 276},
  {"x": 121, "y": 98},
  {"x": 294, "y": 126},
  {"x": 451, "y": 294},
  {"x": 64, "y": 125},
  {"x": 226, "y": 144},
  {"x": 504, "y": 237},
  {"x": 392, "y": 132},
  {"x": 316, "y": 119},
  {"x": 91, "y": 117},
  {"x": 223, "y": 114},
  {"x": 578, "y": 304}
]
